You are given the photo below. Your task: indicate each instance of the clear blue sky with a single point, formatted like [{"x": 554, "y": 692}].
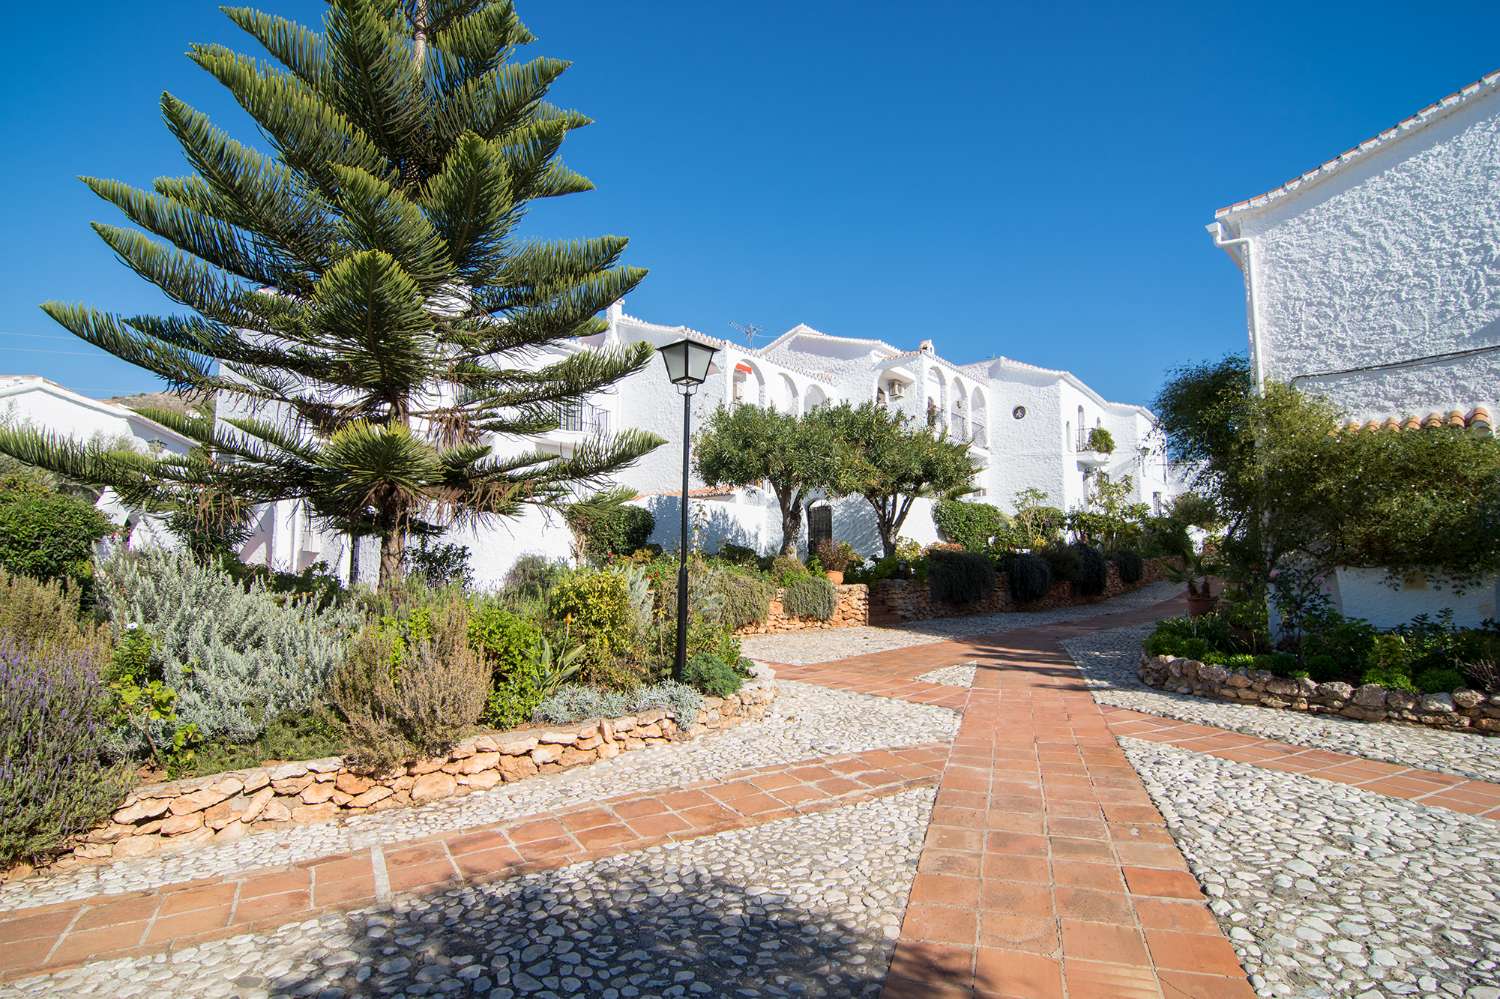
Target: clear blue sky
[{"x": 1029, "y": 179}]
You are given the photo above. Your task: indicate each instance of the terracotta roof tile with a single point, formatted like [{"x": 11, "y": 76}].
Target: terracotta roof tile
[{"x": 1476, "y": 419}]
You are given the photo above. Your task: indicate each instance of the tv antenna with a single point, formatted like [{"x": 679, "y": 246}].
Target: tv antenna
[{"x": 748, "y": 331}]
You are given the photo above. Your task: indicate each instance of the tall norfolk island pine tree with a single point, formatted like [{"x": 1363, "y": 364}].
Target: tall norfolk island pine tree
[{"x": 356, "y": 300}]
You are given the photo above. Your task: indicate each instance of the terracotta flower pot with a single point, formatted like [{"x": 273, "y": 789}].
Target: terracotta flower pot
[{"x": 835, "y": 576}]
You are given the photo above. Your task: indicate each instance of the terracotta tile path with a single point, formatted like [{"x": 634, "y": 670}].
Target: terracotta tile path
[
  {"x": 50, "y": 937},
  {"x": 1426, "y": 787},
  {"x": 1046, "y": 869}
]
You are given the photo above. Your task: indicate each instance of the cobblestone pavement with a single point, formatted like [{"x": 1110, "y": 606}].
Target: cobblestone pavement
[
  {"x": 951, "y": 676},
  {"x": 804, "y": 722},
  {"x": 809, "y": 906},
  {"x": 1109, "y": 659},
  {"x": 802, "y": 647},
  {"x": 1329, "y": 891}
]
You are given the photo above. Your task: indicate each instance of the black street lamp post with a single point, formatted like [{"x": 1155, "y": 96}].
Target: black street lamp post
[{"x": 687, "y": 367}]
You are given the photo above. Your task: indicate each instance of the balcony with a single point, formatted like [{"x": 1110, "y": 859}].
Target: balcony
[
  {"x": 1088, "y": 456},
  {"x": 977, "y": 437},
  {"x": 575, "y": 417}
]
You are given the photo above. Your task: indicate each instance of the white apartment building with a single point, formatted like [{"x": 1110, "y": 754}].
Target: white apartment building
[
  {"x": 1373, "y": 280},
  {"x": 1027, "y": 427}
]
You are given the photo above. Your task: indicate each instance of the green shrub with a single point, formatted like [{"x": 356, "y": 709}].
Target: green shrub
[
  {"x": 1092, "y": 575},
  {"x": 1191, "y": 637},
  {"x": 737, "y": 554},
  {"x": 1101, "y": 440},
  {"x": 1391, "y": 679},
  {"x": 47, "y": 535},
  {"x": 1029, "y": 576},
  {"x": 595, "y": 607},
  {"x": 411, "y": 684},
  {"x": 610, "y": 529},
  {"x": 533, "y": 576},
  {"x": 809, "y": 596},
  {"x": 1438, "y": 681},
  {"x": 34, "y": 614},
  {"x": 55, "y": 781},
  {"x": 1165, "y": 536},
  {"x": 787, "y": 568},
  {"x": 969, "y": 524},
  {"x": 714, "y": 676},
  {"x": 302, "y": 735},
  {"x": 743, "y": 599},
  {"x": 235, "y": 658},
  {"x": 440, "y": 564},
  {"x": 1131, "y": 566},
  {"x": 1347, "y": 641},
  {"x": 960, "y": 578},
  {"x": 510, "y": 646},
  {"x": 1065, "y": 561}
]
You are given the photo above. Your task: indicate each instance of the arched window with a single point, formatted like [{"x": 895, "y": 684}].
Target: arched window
[{"x": 1083, "y": 431}]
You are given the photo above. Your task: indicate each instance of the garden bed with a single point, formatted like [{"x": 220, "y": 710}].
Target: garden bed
[
  {"x": 1460, "y": 709},
  {"x": 912, "y": 600},
  {"x": 225, "y": 807},
  {"x": 851, "y": 609}
]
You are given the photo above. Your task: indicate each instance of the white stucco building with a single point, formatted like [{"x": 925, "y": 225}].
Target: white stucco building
[
  {"x": 1026, "y": 427},
  {"x": 30, "y": 400},
  {"x": 1373, "y": 280}
]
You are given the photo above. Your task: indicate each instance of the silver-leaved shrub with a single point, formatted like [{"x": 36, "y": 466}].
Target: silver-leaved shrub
[{"x": 236, "y": 657}]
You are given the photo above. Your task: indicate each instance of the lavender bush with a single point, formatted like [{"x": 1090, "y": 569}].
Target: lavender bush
[{"x": 53, "y": 779}]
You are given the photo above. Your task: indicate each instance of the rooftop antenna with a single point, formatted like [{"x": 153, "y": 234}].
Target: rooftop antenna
[{"x": 748, "y": 331}]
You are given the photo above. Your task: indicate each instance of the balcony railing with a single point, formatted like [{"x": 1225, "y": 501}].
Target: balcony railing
[
  {"x": 977, "y": 435},
  {"x": 582, "y": 418}
]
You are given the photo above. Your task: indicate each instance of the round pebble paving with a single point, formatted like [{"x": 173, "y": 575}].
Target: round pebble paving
[
  {"x": 808, "y": 906},
  {"x": 1328, "y": 891},
  {"x": 802, "y": 647},
  {"x": 1110, "y": 659},
  {"x": 804, "y": 722}
]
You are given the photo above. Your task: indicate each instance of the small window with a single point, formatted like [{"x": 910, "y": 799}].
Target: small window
[{"x": 1019, "y": 412}]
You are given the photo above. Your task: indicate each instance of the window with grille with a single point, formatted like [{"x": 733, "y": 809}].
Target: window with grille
[{"x": 819, "y": 526}]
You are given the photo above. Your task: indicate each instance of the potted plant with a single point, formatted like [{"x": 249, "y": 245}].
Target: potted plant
[
  {"x": 1197, "y": 571},
  {"x": 1101, "y": 441},
  {"x": 835, "y": 558}
]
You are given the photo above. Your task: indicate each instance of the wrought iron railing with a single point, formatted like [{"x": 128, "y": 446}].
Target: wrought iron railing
[{"x": 581, "y": 417}]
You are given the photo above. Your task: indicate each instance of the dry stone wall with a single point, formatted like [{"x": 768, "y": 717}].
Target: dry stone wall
[
  {"x": 1461, "y": 709},
  {"x": 851, "y": 609},
  {"x": 227, "y": 806}
]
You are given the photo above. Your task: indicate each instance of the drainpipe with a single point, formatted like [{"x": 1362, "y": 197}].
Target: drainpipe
[{"x": 1240, "y": 249}]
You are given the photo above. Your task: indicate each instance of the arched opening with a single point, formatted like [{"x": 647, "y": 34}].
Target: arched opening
[
  {"x": 979, "y": 419},
  {"x": 1083, "y": 432},
  {"x": 814, "y": 398},
  {"x": 748, "y": 387},
  {"x": 934, "y": 399},
  {"x": 958, "y": 420},
  {"x": 789, "y": 400}
]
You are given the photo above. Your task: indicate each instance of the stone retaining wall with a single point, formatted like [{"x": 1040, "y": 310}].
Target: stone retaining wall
[
  {"x": 851, "y": 609},
  {"x": 910, "y": 599},
  {"x": 1467, "y": 709},
  {"x": 224, "y": 807}
]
